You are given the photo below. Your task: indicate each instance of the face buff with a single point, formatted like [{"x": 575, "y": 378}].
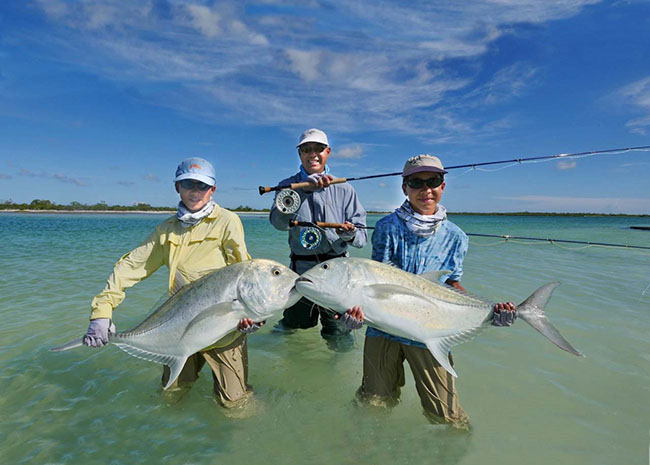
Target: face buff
[
  {"x": 187, "y": 218},
  {"x": 304, "y": 175},
  {"x": 421, "y": 225}
]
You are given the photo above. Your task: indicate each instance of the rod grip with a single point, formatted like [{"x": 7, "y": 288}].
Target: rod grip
[
  {"x": 320, "y": 224},
  {"x": 302, "y": 185},
  {"x": 324, "y": 224}
]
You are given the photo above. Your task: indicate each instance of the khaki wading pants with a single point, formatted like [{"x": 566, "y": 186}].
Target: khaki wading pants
[
  {"x": 383, "y": 376},
  {"x": 229, "y": 367}
]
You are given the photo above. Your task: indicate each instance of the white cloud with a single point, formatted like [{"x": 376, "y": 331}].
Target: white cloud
[
  {"x": 205, "y": 19},
  {"x": 354, "y": 152},
  {"x": 56, "y": 176},
  {"x": 566, "y": 165},
  {"x": 386, "y": 67},
  {"x": 151, "y": 177},
  {"x": 638, "y": 94}
]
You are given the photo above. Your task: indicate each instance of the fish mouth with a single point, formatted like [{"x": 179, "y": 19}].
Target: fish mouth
[{"x": 300, "y": 280}]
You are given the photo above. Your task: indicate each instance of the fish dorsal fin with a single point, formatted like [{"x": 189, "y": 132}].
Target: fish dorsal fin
[
  {"x": 434, "y": 276},
  {"x": 179, "y": 282},
  {"x": 390, "y": 291}
]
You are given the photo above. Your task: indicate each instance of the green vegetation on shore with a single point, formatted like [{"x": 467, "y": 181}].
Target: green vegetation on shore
[{"x": 46, "y": 205}]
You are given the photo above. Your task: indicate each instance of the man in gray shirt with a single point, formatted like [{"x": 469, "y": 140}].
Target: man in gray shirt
[{"x": 334, "y": 203}]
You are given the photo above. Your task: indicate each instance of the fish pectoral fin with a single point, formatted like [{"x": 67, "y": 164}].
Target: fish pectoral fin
[
  {"x": 434, "y": 276},
  {"x": 215, "y": 312},
  {"x": 440, "y": 352},
  {"x": 391, "y": 291}
]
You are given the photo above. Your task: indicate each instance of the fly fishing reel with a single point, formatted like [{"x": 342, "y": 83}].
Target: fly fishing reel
[
  {"x": 310, "y": 238},
  {"x": 287, "y": 201}
]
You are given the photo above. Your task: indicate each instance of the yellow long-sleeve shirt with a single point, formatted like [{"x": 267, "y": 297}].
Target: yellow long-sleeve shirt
[{"x": 215, "y": 242}]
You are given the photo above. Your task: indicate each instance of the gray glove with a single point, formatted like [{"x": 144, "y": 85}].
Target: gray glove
[
  {"x": 314, "y": 178},
  {"x": 348, "y": 236},
  {"x": 252, "y": 328},
  {"x": 351, "y": 322},
  {"x": 504, "y": 318},
  {"x": 97, "y": 334}
]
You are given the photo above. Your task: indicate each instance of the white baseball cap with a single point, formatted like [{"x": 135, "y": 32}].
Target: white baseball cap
[{"x": 313, "y": 135}]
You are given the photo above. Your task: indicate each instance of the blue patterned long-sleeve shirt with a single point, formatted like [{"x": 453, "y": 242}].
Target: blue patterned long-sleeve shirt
[{"x": 393, "y": 243}]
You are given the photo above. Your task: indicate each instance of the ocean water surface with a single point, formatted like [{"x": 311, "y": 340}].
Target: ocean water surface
[{"x": 528, "y": 401}]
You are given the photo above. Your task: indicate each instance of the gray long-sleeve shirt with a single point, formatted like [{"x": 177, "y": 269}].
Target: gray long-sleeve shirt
[{"x": 337, "y": 203}]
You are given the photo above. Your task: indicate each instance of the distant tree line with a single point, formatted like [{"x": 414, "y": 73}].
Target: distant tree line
[{"x": 40, "y": 204}]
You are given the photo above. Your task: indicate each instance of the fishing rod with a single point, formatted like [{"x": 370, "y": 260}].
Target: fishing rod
[
  {"x": 320, "y": 224},
  {"x": 288, "y": 200}
]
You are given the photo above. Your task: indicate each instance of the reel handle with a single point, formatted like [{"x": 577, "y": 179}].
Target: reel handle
[{"x": 296, "y": 185}]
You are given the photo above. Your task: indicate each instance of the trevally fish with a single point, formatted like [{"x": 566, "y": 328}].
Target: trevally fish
[
  {"x": 201, "y": 313},
  {"x": 417, "y": 307}
]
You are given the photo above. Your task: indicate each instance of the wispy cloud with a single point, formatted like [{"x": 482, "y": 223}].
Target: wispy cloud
[
  {"x": 630, "y": 205},
  {"x": 638, "y": 95},
  {"x": 151, "y": 177},
  {"x": 350, "y": 152},
  {"x": 566, "y": 165},
  {"x": 4, "y": 176},
  {"x": 56, "y": 176},
  {"x": 126, "y": 183},
  {"x": 390, "y": 65}
]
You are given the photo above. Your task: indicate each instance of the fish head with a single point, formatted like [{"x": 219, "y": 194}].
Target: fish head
[
  {"x": 267, "y": 287},
  {"x": 333, "y": 284}
]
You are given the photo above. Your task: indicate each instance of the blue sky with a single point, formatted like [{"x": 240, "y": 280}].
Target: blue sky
[{"x": 100, "y": 100}]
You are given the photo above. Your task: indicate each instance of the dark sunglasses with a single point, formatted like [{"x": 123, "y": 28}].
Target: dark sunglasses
[
  {"x": 417, "y": 183},
  {"x": 307, "y": 148},
  {"x": 189, "y": 184}
]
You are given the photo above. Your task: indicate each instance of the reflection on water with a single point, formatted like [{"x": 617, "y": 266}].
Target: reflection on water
[{"x": 527, "y": 400}]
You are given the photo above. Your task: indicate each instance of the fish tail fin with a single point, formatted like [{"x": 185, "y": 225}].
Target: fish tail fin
[
  {"x": 531, "y": 311},
  {"x": 68, "y": 346}
]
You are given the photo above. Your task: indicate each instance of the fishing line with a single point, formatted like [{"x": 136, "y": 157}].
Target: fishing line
[
  {"x": 288, "y": 201},
  {"x": 505, "y": 237},
  {"x": 474, "y": 166}
]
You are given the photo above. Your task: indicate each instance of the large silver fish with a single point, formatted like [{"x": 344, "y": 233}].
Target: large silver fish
[
  {"x": 201, "y": 313},
  {"x": 417, "y": 307}
]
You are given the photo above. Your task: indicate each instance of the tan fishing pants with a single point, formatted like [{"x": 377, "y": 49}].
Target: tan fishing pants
[
  {"x": 229, "y": 371},
  {"x": 383, "y": 376}
]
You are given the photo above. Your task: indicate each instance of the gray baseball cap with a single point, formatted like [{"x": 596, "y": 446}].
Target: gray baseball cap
[{"x": 422, "y": 163}]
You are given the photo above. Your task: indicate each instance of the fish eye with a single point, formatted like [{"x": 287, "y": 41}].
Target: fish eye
[
  {"x": 276, "y": 272},
  {"x": 325, "y": 266}
]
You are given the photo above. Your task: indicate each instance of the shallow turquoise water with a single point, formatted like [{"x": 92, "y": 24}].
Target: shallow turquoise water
[{"x": 528, "y": 401}]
